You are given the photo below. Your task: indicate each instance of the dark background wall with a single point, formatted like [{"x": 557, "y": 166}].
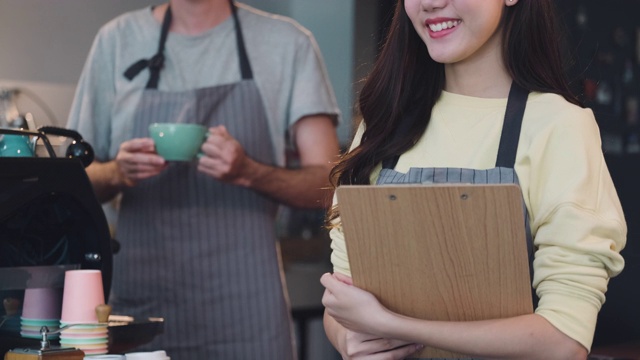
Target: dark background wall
[{"x": 605, "y": 44}]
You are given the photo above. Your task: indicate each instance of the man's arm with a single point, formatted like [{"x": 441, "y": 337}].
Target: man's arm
[
  {"x": 136, "y": 160},
  {"x": 306, "y": 187},
  {"x": 106, "y": 180}
]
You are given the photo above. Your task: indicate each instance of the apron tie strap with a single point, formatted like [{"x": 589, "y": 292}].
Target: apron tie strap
[{"x": 156, "y": 62}]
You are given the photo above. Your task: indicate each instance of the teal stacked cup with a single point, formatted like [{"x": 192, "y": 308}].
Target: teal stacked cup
[{"x": 15, "y": 146}]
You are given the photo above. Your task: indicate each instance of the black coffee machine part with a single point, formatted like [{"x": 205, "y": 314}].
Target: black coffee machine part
[{"x": 78, "y": 148}]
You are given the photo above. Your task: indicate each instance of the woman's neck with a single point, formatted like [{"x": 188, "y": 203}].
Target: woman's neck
[
  {"x": 483, "y": 75},
  {"x": 484, "y": 84},
  {"x": 193, "y": 17}
]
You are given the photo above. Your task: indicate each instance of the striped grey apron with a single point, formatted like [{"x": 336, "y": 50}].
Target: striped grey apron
[
  {"x": 200, "y": 253},
  {"x": 502, "y": 173}
]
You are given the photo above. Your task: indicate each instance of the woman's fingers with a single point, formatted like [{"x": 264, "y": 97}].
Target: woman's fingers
[{"x": 365, "y": 346}]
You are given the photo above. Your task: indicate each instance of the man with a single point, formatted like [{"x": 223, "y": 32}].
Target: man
[{"x": 197, "y": 238}]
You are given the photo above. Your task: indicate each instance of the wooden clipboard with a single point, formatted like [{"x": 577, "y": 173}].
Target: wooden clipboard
[{"x": 451, "y": 252}]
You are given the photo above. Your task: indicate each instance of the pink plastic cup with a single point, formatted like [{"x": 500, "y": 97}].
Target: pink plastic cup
[
  {"x": 83, "y": 291},
  {"x": 42, "y": 304}
]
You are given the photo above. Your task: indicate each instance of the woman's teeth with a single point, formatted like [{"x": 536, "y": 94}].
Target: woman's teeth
[{"x": 444, "y": 25}]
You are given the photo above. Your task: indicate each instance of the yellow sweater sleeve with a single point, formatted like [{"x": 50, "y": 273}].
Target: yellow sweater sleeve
[{"x": 576, "y": 219}]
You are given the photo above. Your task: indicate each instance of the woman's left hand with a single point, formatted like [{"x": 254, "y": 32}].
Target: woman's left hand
[{"x": 352, "y": 307}]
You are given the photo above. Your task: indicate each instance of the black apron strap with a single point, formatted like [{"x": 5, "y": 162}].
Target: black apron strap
[
  {"x": 390, "y": 163},
  {"x": 245, "y": 65},
  {"x": 156, "y": 62},
  {"x": 511, "y": 126}
]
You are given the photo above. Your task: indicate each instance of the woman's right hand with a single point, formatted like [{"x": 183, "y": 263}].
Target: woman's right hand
[
  {"x": 358, "y": 346},
  {"x": 355, "y": 345},
  {"x": 137, "y": 160}
]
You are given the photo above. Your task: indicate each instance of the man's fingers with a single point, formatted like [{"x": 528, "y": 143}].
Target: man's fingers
[{"x": 138, "y": 145}]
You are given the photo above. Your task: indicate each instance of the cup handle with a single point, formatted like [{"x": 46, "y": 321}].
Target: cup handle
[{"x": 200, "y": 153}]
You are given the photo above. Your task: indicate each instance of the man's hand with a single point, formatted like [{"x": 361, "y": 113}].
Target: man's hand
[
  {"x": 224, "y": 158},
  {"x": 137, "y": 160}
]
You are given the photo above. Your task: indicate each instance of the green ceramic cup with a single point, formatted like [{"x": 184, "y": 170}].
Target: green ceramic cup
[{"x": 178, "y": 142}]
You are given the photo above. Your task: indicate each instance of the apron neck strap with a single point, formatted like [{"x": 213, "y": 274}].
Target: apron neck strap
[
  {"x": 511, "y": 126},
  {"x": 156, "y": 62},
  {"x": 245, "y": 65}
]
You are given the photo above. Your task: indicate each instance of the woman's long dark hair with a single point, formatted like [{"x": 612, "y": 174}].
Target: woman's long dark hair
[{"x": 405, "y": 83}]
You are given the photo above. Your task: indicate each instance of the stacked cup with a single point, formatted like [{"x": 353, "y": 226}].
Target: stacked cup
[
  {"x": 41, "y": 307},
  {"x": 10, "y": 322},
  {"x": 83, "y": 292},
  {"x": 154, "y": 355}
]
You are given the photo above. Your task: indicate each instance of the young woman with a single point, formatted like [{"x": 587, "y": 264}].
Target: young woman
[{"x": 437, "y": 99}]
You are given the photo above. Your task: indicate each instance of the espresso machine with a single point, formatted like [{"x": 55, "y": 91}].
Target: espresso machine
[{"x": 51, "y": 222}]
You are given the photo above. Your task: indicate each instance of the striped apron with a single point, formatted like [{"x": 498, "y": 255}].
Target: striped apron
[
  {"x": 200, "y": 253},
  {"x": 502, "y": 173}
]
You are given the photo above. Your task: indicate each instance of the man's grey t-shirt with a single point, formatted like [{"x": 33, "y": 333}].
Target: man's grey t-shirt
[{"x": 287, "y": 66}]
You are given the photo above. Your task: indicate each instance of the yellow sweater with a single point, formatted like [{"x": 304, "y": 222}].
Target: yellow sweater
[{"x": 575, "y": 214}]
